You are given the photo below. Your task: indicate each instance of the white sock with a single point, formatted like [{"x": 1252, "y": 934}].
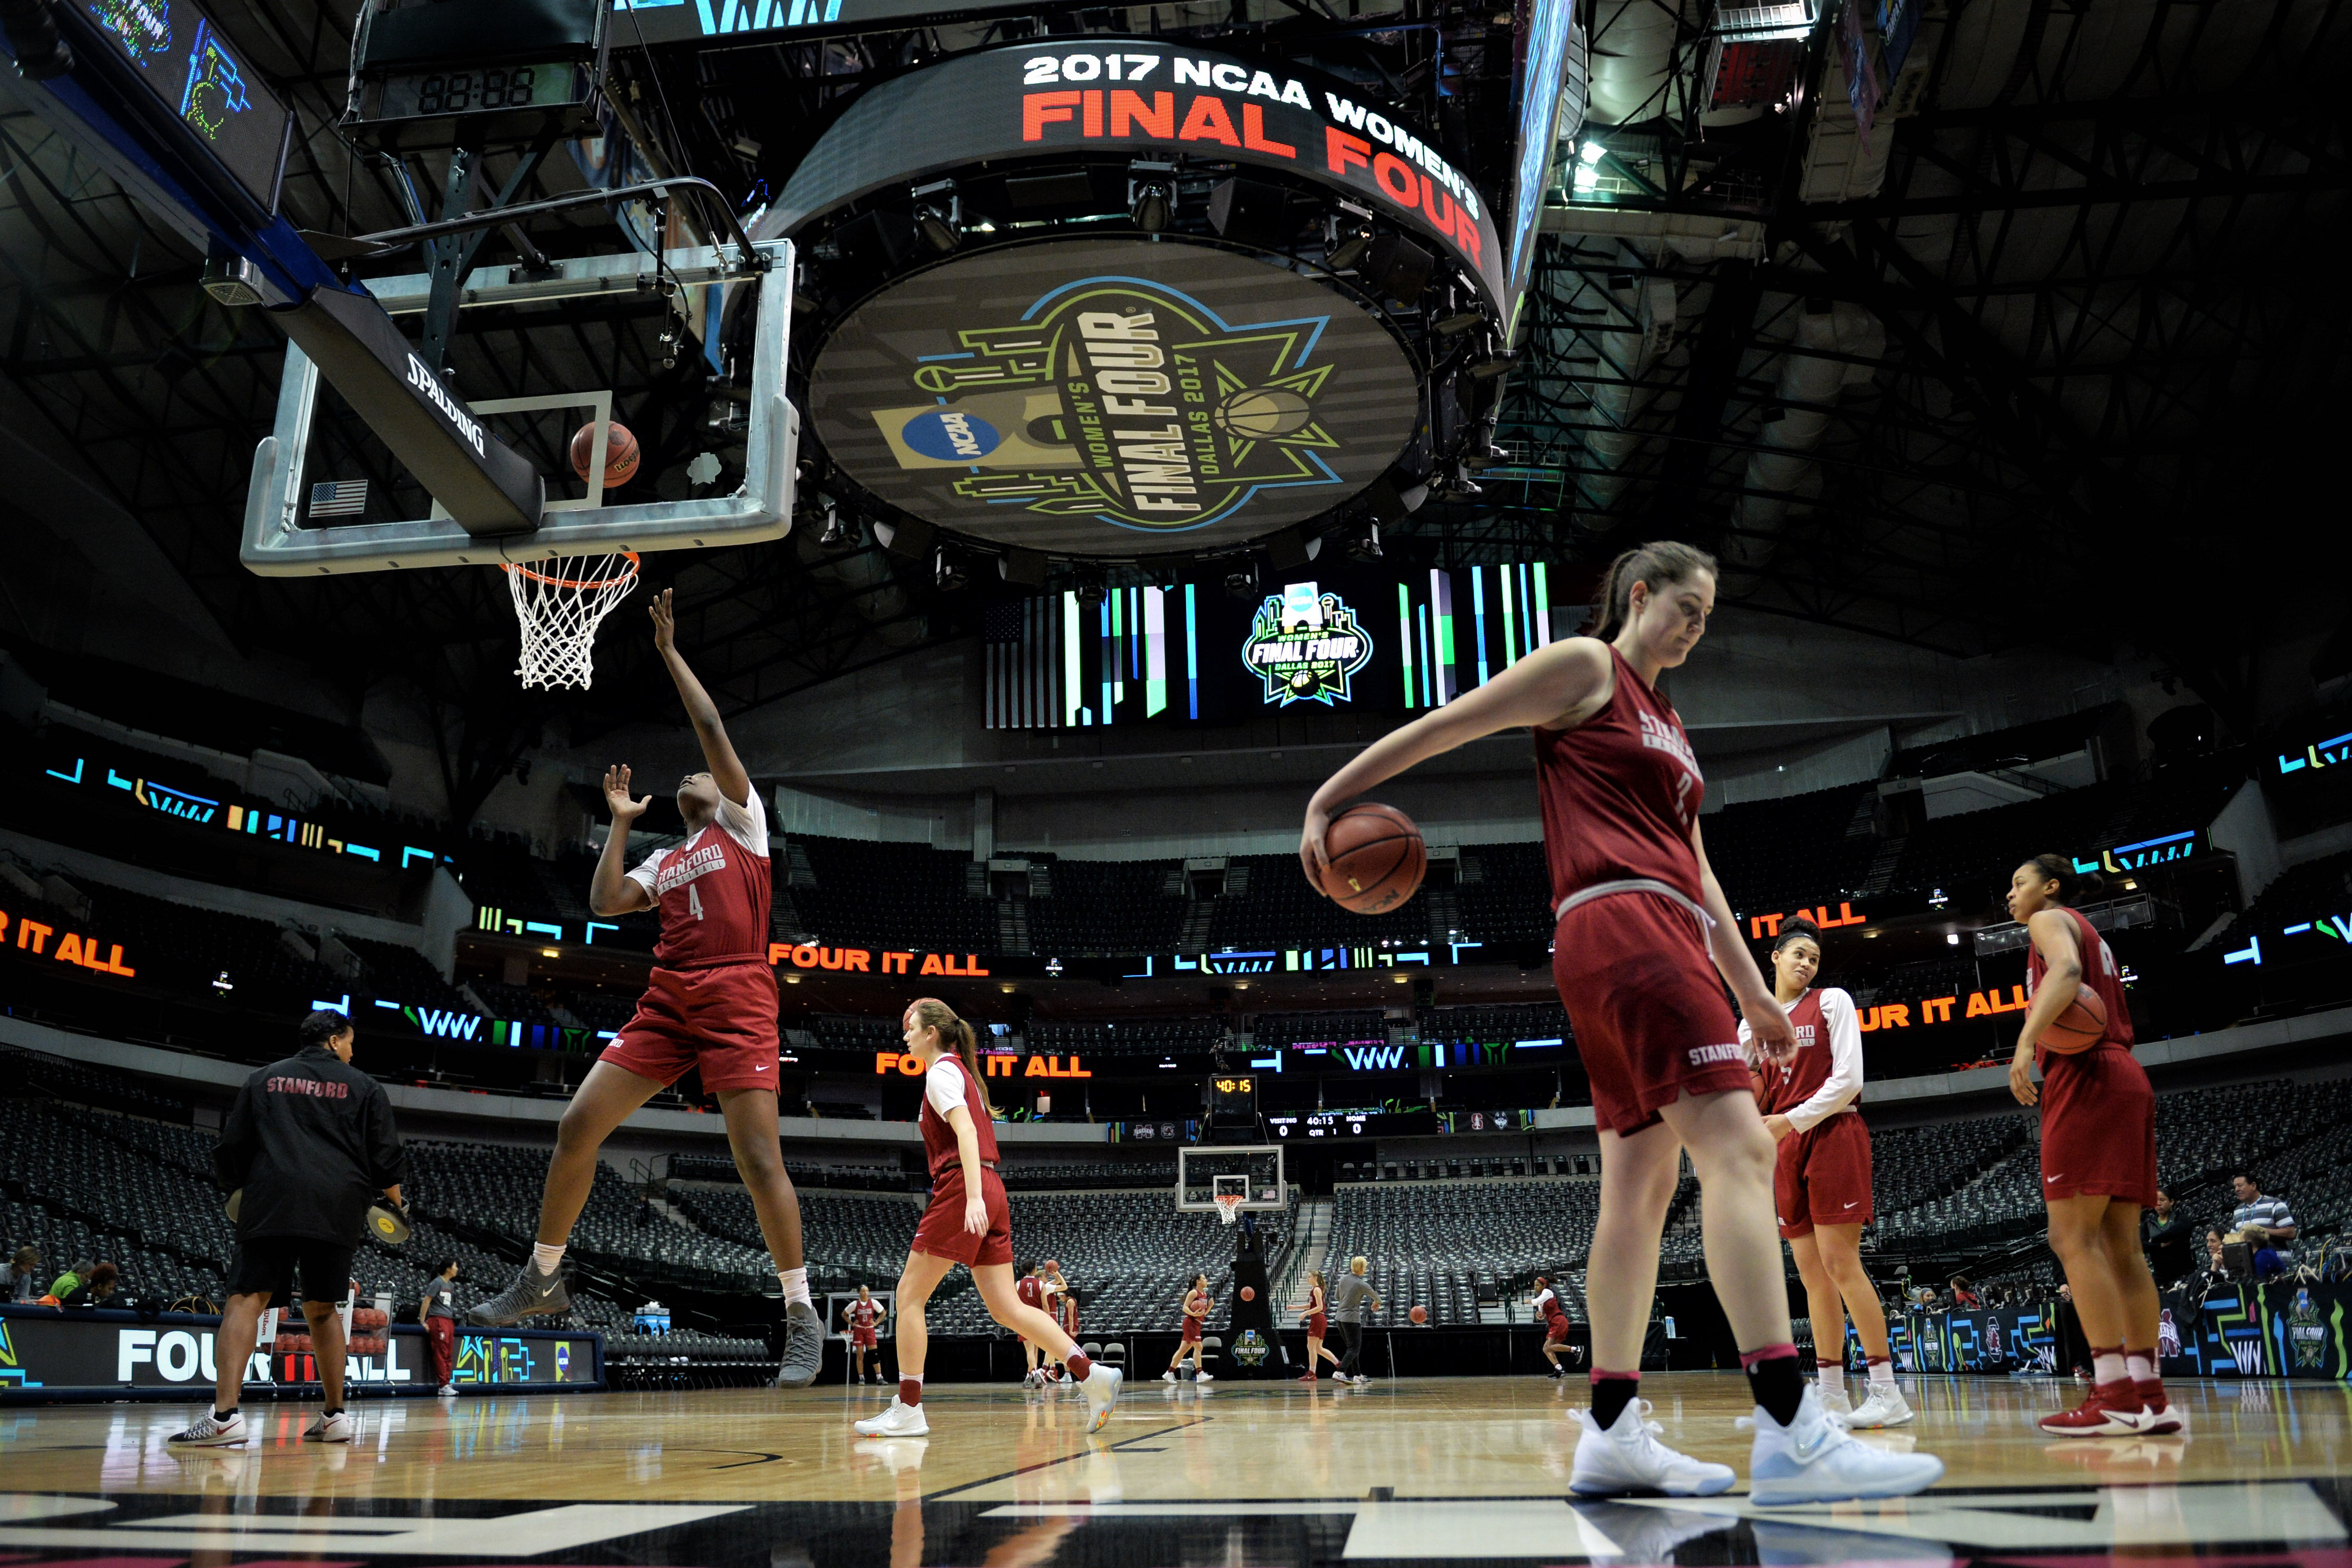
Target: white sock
[
  {"x": 1881, "y": 1374},
  {"x": 2140, "y": 1368},
  {"x": 2107, "y": 1366},
  {"x": 795, "y": 1282},
  {"x": 1832, "y": 1378},
  {"x": 544, "y": 1257}
]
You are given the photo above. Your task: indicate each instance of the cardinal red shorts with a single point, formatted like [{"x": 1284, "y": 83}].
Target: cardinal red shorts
[
  {"x": 941, "y": 1233},
  {"x": 2098, "y": 1127},
  {"x": 1822, "y": 1177},
  {"x": 1191, "y": 1328},
  {"x": 721, "y": 1020},
  {"x": 1652, "y": 1022},
  {"x": 861, "y": 1339}
]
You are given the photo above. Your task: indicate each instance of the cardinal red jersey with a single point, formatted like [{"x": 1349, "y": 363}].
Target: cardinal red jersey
[
  {"x": 1069, "y": 1309},
  {"x": 1031, "y": 1289},
  {"x": 862, "y": 1315},
  {"x": 1619, "y": 793},
  {"x": 713, "y": 891},
  {"x": 2098, "y": 974},
  {"x": 940, "y": 1154}
]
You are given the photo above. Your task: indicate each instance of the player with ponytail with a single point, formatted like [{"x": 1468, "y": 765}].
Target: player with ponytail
[
  {"x": 2098, "y": 1151},
  {"x": 967, "y": 1222},
  {"x": 1643, "y": 945}
]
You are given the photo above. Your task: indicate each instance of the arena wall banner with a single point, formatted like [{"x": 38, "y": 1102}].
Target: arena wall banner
[
  {"x": 48, "y": 1354},
  {"x": 2282, "y": 1327}
]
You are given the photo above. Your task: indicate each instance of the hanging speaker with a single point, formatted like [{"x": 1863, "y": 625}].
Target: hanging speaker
[
  {"x": 1249, "y": 212},
  {"x": 1398, "y": 268}
]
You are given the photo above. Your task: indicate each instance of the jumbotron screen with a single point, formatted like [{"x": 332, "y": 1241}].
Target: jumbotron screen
[{"x": 1346, "y": 637}]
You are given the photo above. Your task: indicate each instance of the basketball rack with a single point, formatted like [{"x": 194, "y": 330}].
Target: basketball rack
[{"x": 281, "y": 540}]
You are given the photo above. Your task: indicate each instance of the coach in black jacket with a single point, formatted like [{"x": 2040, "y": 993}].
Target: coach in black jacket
[{"x": 311, "y": 1142}]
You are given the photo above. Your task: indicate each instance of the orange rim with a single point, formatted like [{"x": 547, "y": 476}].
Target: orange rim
[{"x": 589, "y": 586}]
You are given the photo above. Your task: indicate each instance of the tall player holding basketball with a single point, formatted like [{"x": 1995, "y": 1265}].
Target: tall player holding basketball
[
  {"x": 2098, "y": 1151},
  {"x": 968, "y": 1221},
  {"x": 709, "y": 1004},
  {"x": 1821, "y": 1182},
  {"x": 1640, "y": 917}
]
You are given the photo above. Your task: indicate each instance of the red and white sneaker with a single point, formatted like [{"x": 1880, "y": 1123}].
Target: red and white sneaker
[
  {"x": 1308, "y": 1378},
  {"x": 2163, "y": 1420},
  {"x": 2109, "y": 1410}
]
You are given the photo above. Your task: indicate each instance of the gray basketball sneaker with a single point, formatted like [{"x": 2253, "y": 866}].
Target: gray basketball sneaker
[
  {"x": 804, "y": 1346},
  {"x": 531, "y": 1294}
]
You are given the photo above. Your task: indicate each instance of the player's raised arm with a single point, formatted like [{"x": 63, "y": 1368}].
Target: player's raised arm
[
  {"x": 611, "y": 890},
  {"x": 718, "y": 751}
]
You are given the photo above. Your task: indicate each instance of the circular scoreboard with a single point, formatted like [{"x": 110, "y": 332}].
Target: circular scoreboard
[{"x": 1123, "y": 298}]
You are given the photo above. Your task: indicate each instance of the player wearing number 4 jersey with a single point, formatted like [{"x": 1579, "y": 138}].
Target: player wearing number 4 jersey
[{"x": 709, "y": 1004}]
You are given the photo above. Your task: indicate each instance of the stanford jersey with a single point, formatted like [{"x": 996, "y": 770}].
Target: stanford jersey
[
  {"x": 713, "y": 892},
  {"x": 940, "y": 1155},
  {"x": 1619, "y": 793},
  {"x": 1824, "y": 1075},
  {"x": 2098, "y": 975},
  {"x": 1031, "y": 1289},
  {"x": 862, "y": 1315}
]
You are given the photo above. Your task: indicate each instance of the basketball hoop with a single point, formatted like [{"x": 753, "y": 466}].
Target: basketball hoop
[
  {"x": 560, "y": 602},
  {"x": 1229, "y": 1206}
]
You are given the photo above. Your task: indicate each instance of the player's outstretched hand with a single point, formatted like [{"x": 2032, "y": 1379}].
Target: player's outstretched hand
[
  {"x": 616, "y": 795},
  {"x": 1311, "y": 856},
  {"x": 1768, "y": 1024},
  {"x": 665, "y": 622}
]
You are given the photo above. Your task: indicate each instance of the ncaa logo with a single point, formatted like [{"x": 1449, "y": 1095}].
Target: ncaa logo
[{"x": 951, "y": 436}]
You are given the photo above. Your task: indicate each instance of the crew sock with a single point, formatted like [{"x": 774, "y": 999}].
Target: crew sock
[
  {"x": 1611, "y": 1392},
  {"x": 2140, "y": 1365},
  {"x": 795, "y": 1283},
  {"x": 1080, "y": 1368},
  {"x": 545, "y": 1258},
  {"x": 1882, "y": 1372},
  {"x": 1773, "y": 1378},
  {"x": 910, "y": 1389},
  {"x": 2107, "y": 1363},
  {"x": 1831, "y": 1378}
]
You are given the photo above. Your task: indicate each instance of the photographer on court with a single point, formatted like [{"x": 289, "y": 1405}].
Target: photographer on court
[{"x": 309, "y": 1141}]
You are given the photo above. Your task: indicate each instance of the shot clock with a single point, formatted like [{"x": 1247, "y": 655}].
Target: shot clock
[{"x": 484, "y": 73}]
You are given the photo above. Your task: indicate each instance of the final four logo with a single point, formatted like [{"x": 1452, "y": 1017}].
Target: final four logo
[
  {"x": 1305, "y": 647},
  {"x": 2305, "y": 1332}
]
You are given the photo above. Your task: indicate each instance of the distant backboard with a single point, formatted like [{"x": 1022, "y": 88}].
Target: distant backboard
[
  {"x": 1204, "y": 1170},
  {"x": 299, "y": 500}
]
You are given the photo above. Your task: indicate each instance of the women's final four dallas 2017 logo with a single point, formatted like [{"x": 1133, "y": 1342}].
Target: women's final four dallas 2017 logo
[
  {"x": 1306, "y": 646},
  {"x": 1069, "y": 401}
]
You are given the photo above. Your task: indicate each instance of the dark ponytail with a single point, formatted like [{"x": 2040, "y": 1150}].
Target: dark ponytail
[
  {"x": 929, "y": 1012},
  {"x": 1795, "y": 927},
  {"x": 1656, "y": 564},
  {"x": 2072, "y": 886}
]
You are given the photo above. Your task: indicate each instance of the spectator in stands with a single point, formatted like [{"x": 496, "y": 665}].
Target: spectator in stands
[
  {"x": 438, "y": 1313},
  {"x": 1348, "y": 1299},
  {"x": 1964, "y": 1295},
  {"x": 307, "y": 1144},
  {"x": 2217, "y": 1267},
  {"x": 66, "y": 1284},
  {"x": 25, "y": 1275},
  {"x": 2270, "y": 1215},
  {"x": 98, "y": 1290},
  {"x": 2166, "y": 1240},
  {"x": 2269, "y": 1262}
]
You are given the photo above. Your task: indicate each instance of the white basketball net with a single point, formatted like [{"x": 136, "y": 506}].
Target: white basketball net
[
  {"x": 1229, "y": 1206},
  {"x": 559, "y": 602}
]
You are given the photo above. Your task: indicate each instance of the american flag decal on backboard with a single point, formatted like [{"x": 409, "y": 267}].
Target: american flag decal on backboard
[
  {"x": 339, "y": 497},
  {"x": 1024, "y": 642}
]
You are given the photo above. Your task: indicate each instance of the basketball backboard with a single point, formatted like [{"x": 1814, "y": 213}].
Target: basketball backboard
[
  {"x": 294, "y": 506},
  {"x": 1202, "y": 1171}
]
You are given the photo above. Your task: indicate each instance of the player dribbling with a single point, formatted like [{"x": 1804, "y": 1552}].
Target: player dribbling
[
  {"x": 1821, "y": 1183},
  {"x": 968, "y": 1221},
  {"x": 1196, "y": 1316}
]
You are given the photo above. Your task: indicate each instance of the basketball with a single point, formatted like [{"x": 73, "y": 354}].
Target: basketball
[
  {"x": 1377, "y": 859},
  {"x": 1050, "y": 1265},
  {"x": 1419, "y": 1315},
  {"x": 2080, "y": 1026},
  {"x": 620, "y": 453},
  {"x": 1249, "y": 1292}
]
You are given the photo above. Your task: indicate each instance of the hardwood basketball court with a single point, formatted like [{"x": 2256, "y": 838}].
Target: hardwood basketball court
[{"x": 1421, "y": 1469}]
